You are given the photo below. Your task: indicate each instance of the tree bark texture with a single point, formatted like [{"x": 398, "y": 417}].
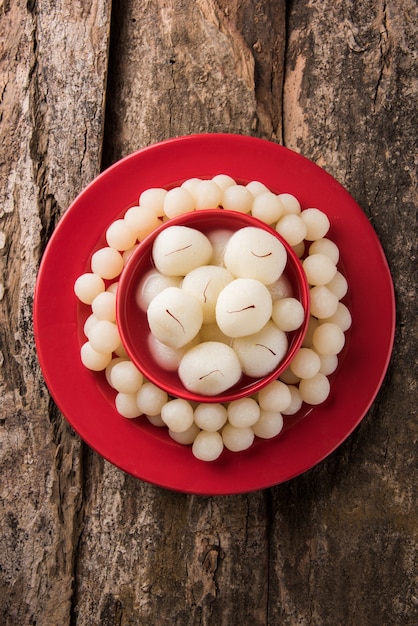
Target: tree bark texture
[{"x": 86, "y": 83}]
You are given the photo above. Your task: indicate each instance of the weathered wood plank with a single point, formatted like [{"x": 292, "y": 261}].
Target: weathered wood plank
[{"x": 53, "y": 66}]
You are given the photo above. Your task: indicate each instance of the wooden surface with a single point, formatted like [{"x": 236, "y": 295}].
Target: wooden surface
[{"x": 84, "y": 83}]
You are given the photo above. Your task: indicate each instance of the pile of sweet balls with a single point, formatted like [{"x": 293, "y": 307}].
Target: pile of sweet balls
[{"x": 210, "y": 426}]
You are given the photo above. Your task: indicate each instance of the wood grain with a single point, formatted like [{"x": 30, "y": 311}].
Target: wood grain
[{"x": 84, "y": 84}]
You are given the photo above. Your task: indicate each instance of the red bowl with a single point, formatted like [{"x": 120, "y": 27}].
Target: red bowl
[{"x": 133, "y": 324}]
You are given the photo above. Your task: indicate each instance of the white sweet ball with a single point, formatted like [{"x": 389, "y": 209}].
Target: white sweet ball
[
  {"x": 151, "y": 399},
  {"x": 306, "y": 363},
  {"x": 110, "y": 366},
  {"x": 207, "y": 195},
  {"x": 329, "y": 363},
  {"x": 191, "y": 184},
  {"x": 218, "y": 239},
  {"x": 153, "y": 283},
  {"x": 125, "y": 377},
  {"x": 328, "y": 338},
  {"x": 178, "y": 201},
  {"x": 292, "y": 228},
  {"x": 113, "y": 287},
  {"x": 341, "y": 317},
  {"x": 207, "y": 446},
  {"x": 186, "y": 437},
  {"x": 142, "y": 221},
  {"x": 210, "y": 416},
  {"x": 107, "y": 262},
  {"x": 153, "y": 198},
  {"x": 267, "y": 207},
  {"x": 324, "y": 302},
  {"x": 205, "y": 283},
  {"x": 174, "y": 317},
  {"x": 316, "y": 222},
  {"x": 325, "y": 246},
  {"x": 224, "y": 181},
  {"x": 126, "y": 405},
  {"x": 88, "y": 324},
  {"x": 243, "y": 412},
  {"x": 269, "y": 425},
  {"x": 255, "y": 253},
  {"x": 209, "y": 368},
  {"x": 237, "y": 198},
  {"x": 104, "y": 336},
  {"x": 104, "y": 306},
  {"x": 296, "y": 401},
  {"x": 274, "y": 397},
  {"x": 88, "y": 286},
  {"x": 257, "y": 188},
  {"x": 243, "y": 307},
  {"x": 177, "y": 414},
  {"x": 166, "y": 357},
  {"x": 281, "y": 288},
  {"x": 312, "y": 326},
  {"x": 291, "y": 205},
  {"x": 338, "y": 285},
  {"x": 288, "y": 377},
  {"x": 315, "y": 390},
  {"x": 119, "y": 236},
  {"x": 261, "y": 352},
  {"x": 237, "y": 439},
  {"x": 319, "y": 269},
  {"x": 288, "y": 314},
  {"x": 92, "y": 359},
  {"x": 156, "y": 420},
  {"x": 179, "y": 249}
]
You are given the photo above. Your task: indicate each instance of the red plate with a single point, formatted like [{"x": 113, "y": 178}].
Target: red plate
[{"x": 145, "y": 451}]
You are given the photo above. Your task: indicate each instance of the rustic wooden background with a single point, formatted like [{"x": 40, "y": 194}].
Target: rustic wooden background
[{"x": 86, "y": 82}]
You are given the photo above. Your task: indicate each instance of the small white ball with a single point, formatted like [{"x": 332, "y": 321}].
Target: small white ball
[
  {"x": 296, "y": 402},
  {"x": 178, "y": 250},
  {"x": 237, "y": 198},
  {"x": 224, "y": 181},
  {"x": 255, "y": 253},
  {"x": 178, "y": 201},
  {"x": 312, "y": 326},
  {"x": 207, "y": 446},
  {"x": 153, "y": 198},
  {"x": 151, "y": 285},
  {"x": 329, "y": 363},
  {"x": 288, "y": 314},
  {"x": 126, "y": 405},
  {"x": 243, "y": 307},
  {"x": 207, "y": 195},
  {"x": 125, "y": 377},
  {"x": 92, "y": 359},
  {"x": 104, "y": 306},
  {"x": 327, "y": 247},
  {"x": 324, "y": 302},
  {"x": 151, "y": 399},
  {"x": 107, "y": 263},
  {"x": 288, "y": 377},
  {"x": 281, "y": 288},
  {"x": 269, "y": 425},
  {"x": 177, "y": 415},
  {"x": 209, "y": 368},
  {"x": 291, "y": 205},
  {"x": 166, "y": 357},
  {"x": 210, "y": 416},
  {"x": 110, "y": 366},
  {"x": 341, "y": 317},
  {"x": 88, "y": 324},
  {"x": 104, "y": 337},
  {"x": 174, "y": 317},
  {"x": 243, "y": 412},
  {"x": 257, "y": 188},
  {"x": 316, "y": 222},
  {"x": 314, "y": 390},
  {"x": 274, "y": 397},
  {"x": 338, "y": 285},
  {"x": 319, "y": 269},
  {"x": 186, "y": 437},
  {"x": 119, "y": 236},
  {"x": 142, "y": 221},
  {"x": 267, "y": 207},
  {"x": 88, "y": 286},
  {"x": 156, "y": 420},
  {"x": 328, "y": 338},
  {"x": 237, "y": 439},
  {"x": 292, "y": 228},
  {"x": 306, "y": 363}
]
